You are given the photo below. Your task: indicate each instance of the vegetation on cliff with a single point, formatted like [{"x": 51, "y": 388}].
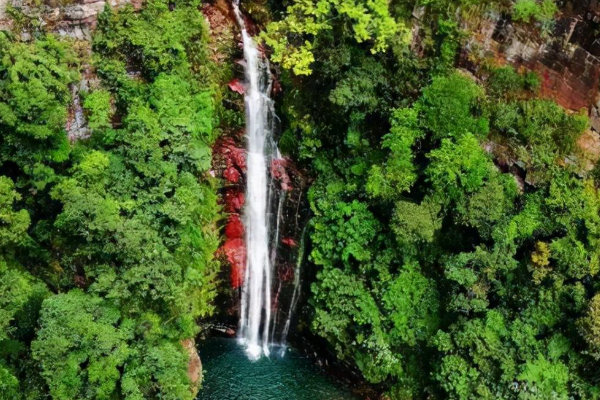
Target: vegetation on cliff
[
  {"x": 455, "y": 236},
  {"x": 107, "y": 243}
]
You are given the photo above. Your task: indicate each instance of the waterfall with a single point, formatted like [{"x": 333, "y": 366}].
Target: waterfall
[{"x": 256, "y": 305}]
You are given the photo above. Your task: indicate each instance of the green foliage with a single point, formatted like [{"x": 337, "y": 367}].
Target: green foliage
[
  {"x": 9, "y": 385},
  {"x": 505, "y": 82},
  {"x": 127, "y": 216},
  {"x": 544, "y": 123},
  {"x": 98, "y": 106},
  {"x": 84, "y": 330},
  {"x": 34, "y": 90},
  {"x": 489, "y": 204},
  {"x": 540, "y": 260},
  {"x": 156, "y": 40},
  {"x": 458, "y": 168},
  {"x": 13, "y": 224},
  {"x": 81, "y": 330},
  {"x": 399, "y": 173},
  {"x": 415, "y": 223},
  {"x": 292, "y": 39},
  {"x": 358, "y": 88},
  {"x": 141, "y": 199},
  {"x": 21, "y": 296},
  {"x": 448, "y": 106},
  {"x": 412, "y": 302},
  {"x": 545, "y": 379},
  {"x": 353, "y": 238},
  {"x": 539, "y": 10},
  {"x": 438, "y": 274},
  {"x": 458, "y": 379},
  {"x": 158, "y": 370},
  {"x": 590, "y": 326}
]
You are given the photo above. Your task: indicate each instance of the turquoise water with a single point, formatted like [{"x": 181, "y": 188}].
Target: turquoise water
[{"x": 230, "y": 375}]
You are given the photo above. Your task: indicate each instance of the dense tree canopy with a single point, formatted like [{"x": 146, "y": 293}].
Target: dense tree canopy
[
  {"x": 107, "y": 242},
  {"x": 441, "y": 271},
  {"x": 454, "y": 231}
]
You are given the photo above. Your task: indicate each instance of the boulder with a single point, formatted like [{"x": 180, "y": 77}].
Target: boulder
[{"x": 194, "y": 365}]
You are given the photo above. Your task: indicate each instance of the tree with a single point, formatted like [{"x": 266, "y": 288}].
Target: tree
[
  {"x": 412, "y": 302},
  {"x": 35, "y": 94},
  {"x": 398, "y": 173},
  {"x": 292, "y": 39},
  {"x": 528, "y": 10},
  {"x": 458, "y": 168},
  {"x": 589, "y": 326},
  {"x": 81, "y": 345},
  {"x": 13, "y": 224},
  {"x": 449, "y": 107}
]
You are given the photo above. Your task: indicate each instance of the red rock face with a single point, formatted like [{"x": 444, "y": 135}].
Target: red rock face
[
  {"x": 289, "y": 242},
  {"x": 569, "y": 74},
  {"x": 277, "y": 89},
  {"x": 229, "y": 164},
  {"x": 285, "y": 273},
  {"x": 234, "y": 228},
  {"x": 233, "y": 155},
  {"x": 235, "y": 251},
  {"x": 233, "y": 199},
  {"x": 237, "y": 86},
  {"x": 279, "y": 173},
  {"x": 237, "y": 157},
  {"x": 232, "y": 175},
  {"x": 573, "y": 85},
  {"x": 233, "y": 158}
]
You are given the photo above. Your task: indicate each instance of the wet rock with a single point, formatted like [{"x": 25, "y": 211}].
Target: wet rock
[
  {"x": 235, "y": 252},
  {"x": 280, "y": 174},
  {"x": 234, "y": 228},
  {"x": 237, "y": 86},
  {"x": 285, "y": 273},
  {"x": 194, "y": 370},
  {"x": 76, "y": 125},
  {"x": 288, "y": 241},
  {"x": 233, "y": 199},
  {"x": 229, "y": 160},
  {"x": 595, "y": 118},
  {"x": 277, "y": 89},
  {"x": 232, "y": 174},
  {"x": 237, "y": 156},
  {"x": 82, "y": 11}
]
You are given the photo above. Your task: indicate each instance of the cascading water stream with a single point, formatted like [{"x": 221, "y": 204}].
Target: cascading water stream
[{"x": 256, "y": 290}]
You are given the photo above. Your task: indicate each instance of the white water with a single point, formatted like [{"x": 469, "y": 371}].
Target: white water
[
  {"x": 295, "y": 294},
  {"x": 256, "y": 290}
]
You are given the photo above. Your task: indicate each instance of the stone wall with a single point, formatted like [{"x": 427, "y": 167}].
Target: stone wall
[
  {"x": 76, "y": 19},
  {"x": 567, "y": 58}
]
